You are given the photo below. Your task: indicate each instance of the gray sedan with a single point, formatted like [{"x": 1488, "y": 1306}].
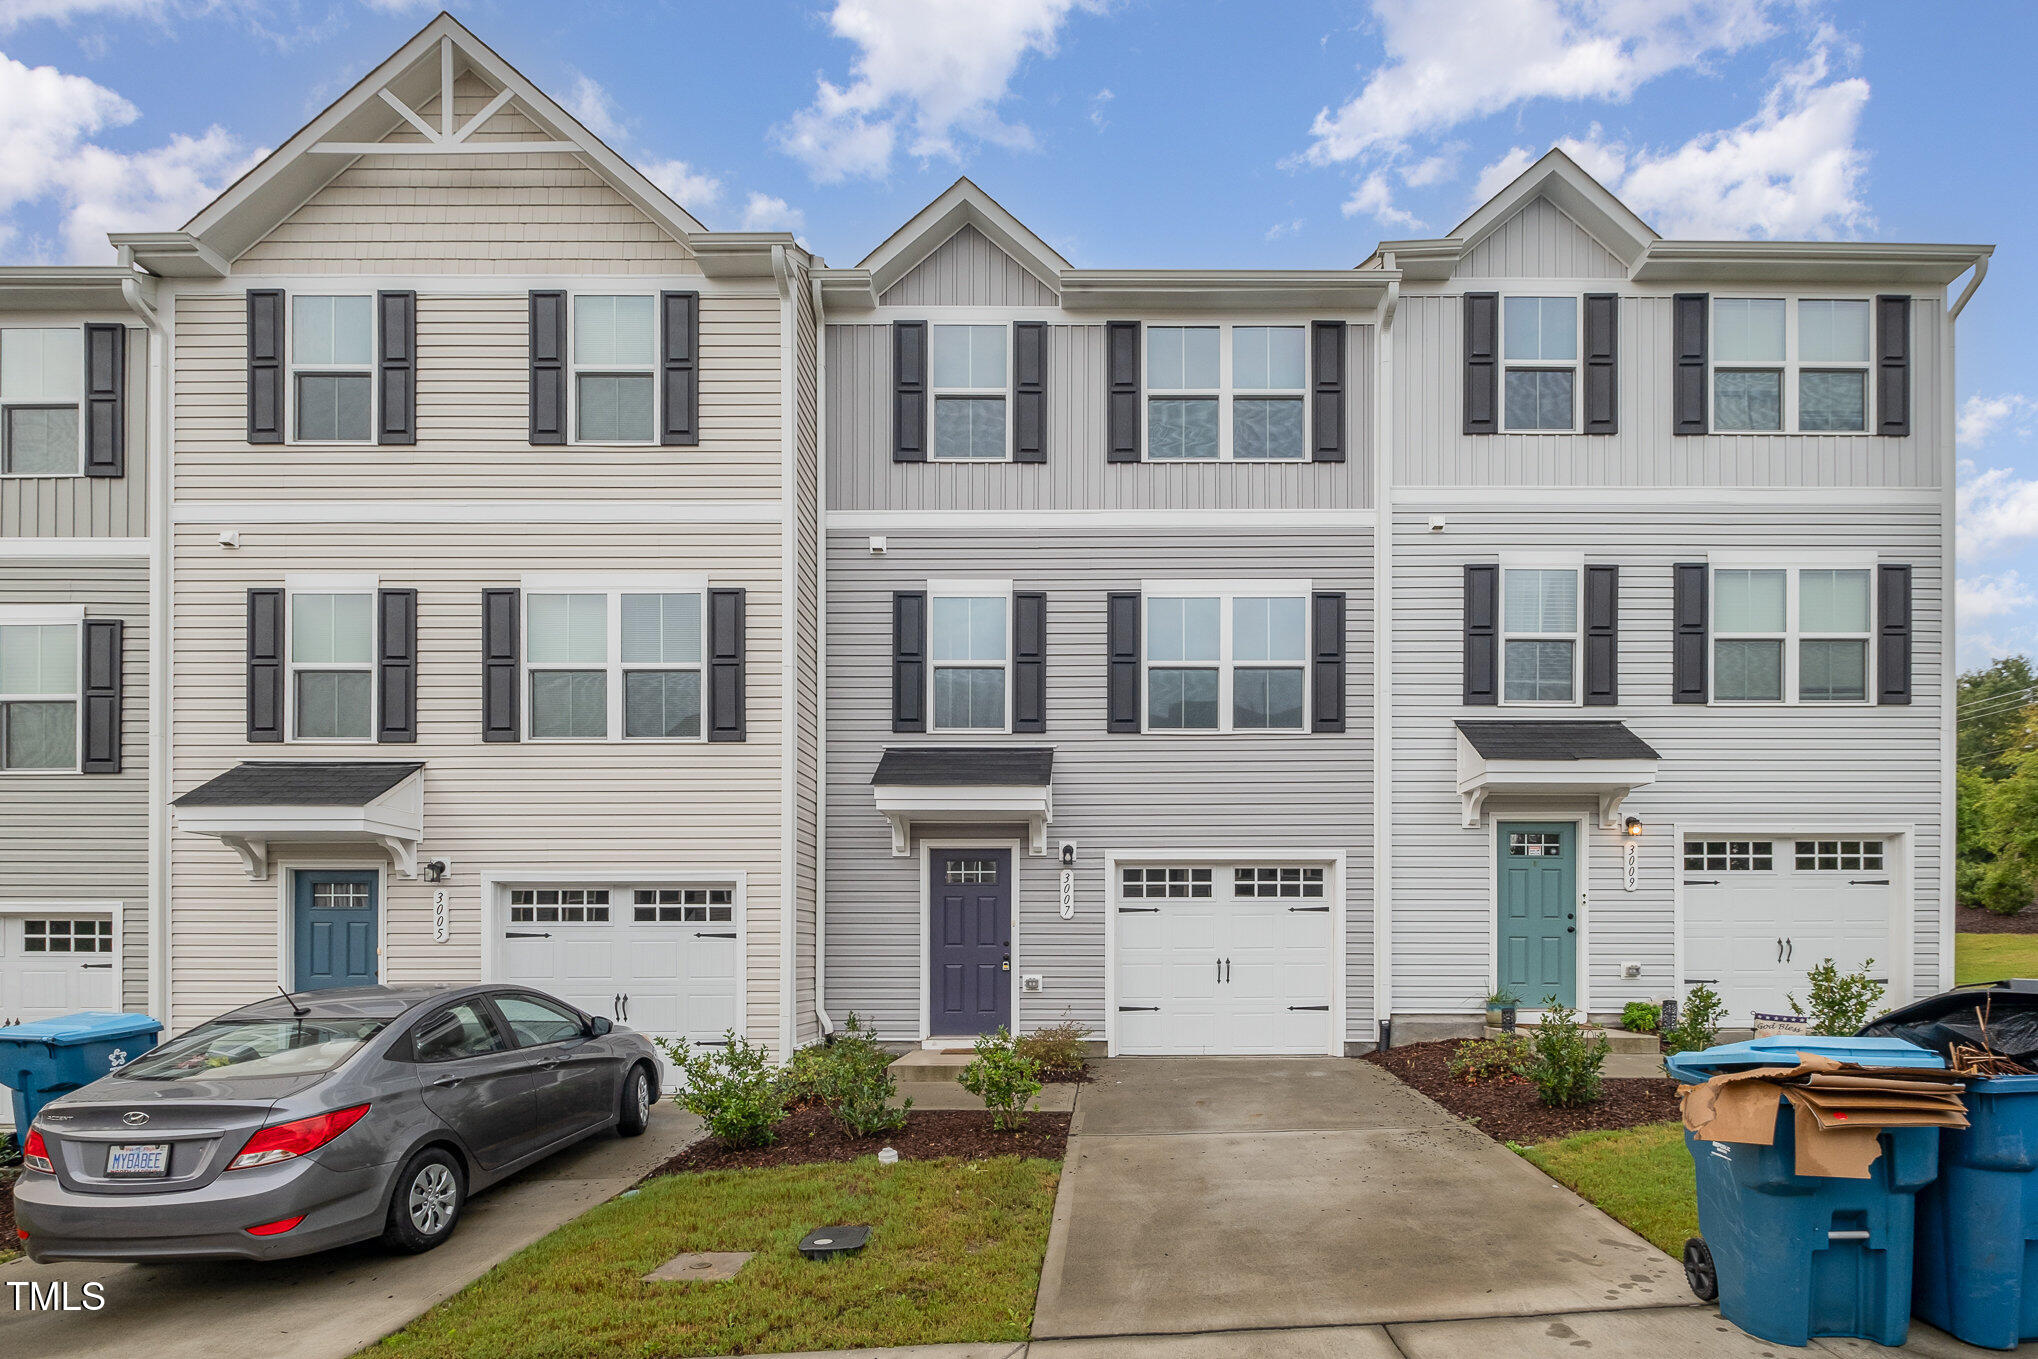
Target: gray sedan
[{"x": 311, "y": 1121}]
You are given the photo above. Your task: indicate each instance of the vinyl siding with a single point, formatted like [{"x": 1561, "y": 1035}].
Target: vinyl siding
[
  {"x": 1271, "y": 793},
  {"x": 806, "y": 506},
  {"x": 967, "y": 270},
  {"x": 1749, "y": 766},
  {"x": 1540, "y": 241},
  {"x": 88, "y": 507},
  {"x": 862, "y": 475},
  {"x": 84, "y": 837}
]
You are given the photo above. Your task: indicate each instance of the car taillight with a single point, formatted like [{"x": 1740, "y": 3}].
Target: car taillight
[
  {"x": 276, "y": 1228},
  {"x": 281, "y": 1141},
  {"x": 35, "y": 1153}
]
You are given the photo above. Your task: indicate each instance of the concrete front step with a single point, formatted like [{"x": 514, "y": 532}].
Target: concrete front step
[
  {"x": 1620, "y": 1039},
  {"x": 930, "y": 1068}
]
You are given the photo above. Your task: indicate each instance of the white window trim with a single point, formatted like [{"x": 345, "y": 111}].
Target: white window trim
[
  {"x": 573, "y": 373},
  {"x": 1574, "y": 367},
  {"x": 291, "y": 368},
  {"x": 614, "y": 588},
  {"x": 934, "y": 393},
  {"x": 1790, "y": 366},
  {"x": 1576, "y": 566},
  {"x": 1224, "y": 393},
  {"x": 1225, "y": 593},
  {"x": 1791, "y": 635},
  {"x": 969, "y": 589},
  {"x": 351, "y": 584},
  {"x": 78, "y": 469},
  {"x": 53, "y": 615}
]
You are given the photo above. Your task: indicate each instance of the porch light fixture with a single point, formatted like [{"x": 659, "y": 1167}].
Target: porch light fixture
[
  {"x": 1634, "y": 825},
  {"x": 435, "y": 871}
]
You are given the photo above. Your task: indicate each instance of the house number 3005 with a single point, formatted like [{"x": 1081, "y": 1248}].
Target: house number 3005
[{"x": 442, "y": 916}]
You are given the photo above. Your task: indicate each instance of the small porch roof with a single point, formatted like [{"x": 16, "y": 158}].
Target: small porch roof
[
  {"x": 1602, "y": 760},
  {"x": 261, "y": 803},
  {"x": 965, "y": 785}
]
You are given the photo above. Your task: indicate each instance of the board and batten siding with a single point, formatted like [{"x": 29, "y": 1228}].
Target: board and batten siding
[
  {"x": 1271, "y": 793},
  {"x": 658, "y": 808},
  {"x": 84, "y": 838},
  {"x": 1759, "y": 766},
  {"x": 1076, "y": 475},
  {"x": 1540, "y": 241},
  {"x": 968, "y": 270},
  {"x": 81, "y": 506}
]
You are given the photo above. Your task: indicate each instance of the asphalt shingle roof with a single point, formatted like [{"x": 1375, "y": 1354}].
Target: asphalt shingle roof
[
  {"x": 1556, "y": 740},
  {"x": 948, "y": 766},
  {"x": 313, "y": 783}
]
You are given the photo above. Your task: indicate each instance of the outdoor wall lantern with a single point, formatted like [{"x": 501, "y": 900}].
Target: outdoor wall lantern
[{"x": 1634, "y": 826}]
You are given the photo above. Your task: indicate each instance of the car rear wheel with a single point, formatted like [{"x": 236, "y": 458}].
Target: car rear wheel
[
  {"x": 636, "y": 1112},
  {"x": 430, "y": 1192}
]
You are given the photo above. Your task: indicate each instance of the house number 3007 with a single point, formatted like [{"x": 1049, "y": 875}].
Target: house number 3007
[{"x": 442, "y": 916}]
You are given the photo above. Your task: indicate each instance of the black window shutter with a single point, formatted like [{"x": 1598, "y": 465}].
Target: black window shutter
[
  {"x": 1029, "y": 662},
  {"x": 265, "y": 368},
  {"x": 1602, "y": 634},
  {"x": 909, "y": 660},
  {"x": 1327, "y": 390},
  {"x": 1482, "y": 635},
  {"x": 106, "y": 401},
  {"x": 1482, "y": 363},
  {"x": 1602, "y": 364},
  {"x": 909, "y": 391},
  {"x": 500, "y": 658},
  {"x": 1893, "y": 634},
  {"x": 101, "y": 693},
  {"x": 396, "y": 371},
  {"x": 1893, "y": 367},
  {"x": 1690, "y": 615},
  {"x": 548, "y": 372},
  {"x": 265, "y": 665},
  {"x": 396, "y": 665},
  {"x": 1029, "y": 391},
  {"x": 1687, "y": 372},
  {"x": 679, "y": 345},
  {"x": 1121, "y": 394},
  {"x": 1327, "y": 663},
  {"x": 1121, "y": 626},
  {"x": 728, "y": 672}
]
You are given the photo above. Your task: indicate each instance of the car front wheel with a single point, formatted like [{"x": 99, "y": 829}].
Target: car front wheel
[
  {"x": 429, "y": 1196},
  {"x": 635, "y": 1115}
]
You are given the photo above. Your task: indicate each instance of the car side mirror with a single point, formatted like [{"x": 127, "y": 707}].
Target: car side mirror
[{"x": 598, "y": 1026}]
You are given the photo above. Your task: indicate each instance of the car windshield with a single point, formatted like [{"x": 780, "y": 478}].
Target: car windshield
[{"x": 249, "y": 1049}]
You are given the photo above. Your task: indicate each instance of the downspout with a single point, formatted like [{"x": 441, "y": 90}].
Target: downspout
[
  {"x": 1949, "y": 693},
  {"x": 821, "y": 661},
  {"x": 1383, "y": 666},
  {"x": 789, "y": 634}
]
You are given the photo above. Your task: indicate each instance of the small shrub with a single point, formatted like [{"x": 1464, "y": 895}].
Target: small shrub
[
  {"x": 1062, "y": 1051},
  {"x": 1564, "y": 1063},
  {"x": 803, "y": 1077},
  {"x": 856, "y": 1083},
  {"x": 1698, "y": 1022},
  {"x": 1004, "y": 1078},
  {"x": 1840, "y": 1001},
  {"x": 1641, "y": 1016},
  {"x": 734, "y": 1090},
  {"x": 1490, "y": 1059}
]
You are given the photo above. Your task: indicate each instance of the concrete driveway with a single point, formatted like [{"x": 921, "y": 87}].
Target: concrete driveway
[
  {"x": 1240, "y": 1194},
  {"x": 323, "y": 1306}
]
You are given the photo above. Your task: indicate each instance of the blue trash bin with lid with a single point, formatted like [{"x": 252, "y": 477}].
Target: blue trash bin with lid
[
  {"x": 1792, "y": 1256},
  {"x": 1977, "y": 1271},
  {"x": 50, "y": 1057}
]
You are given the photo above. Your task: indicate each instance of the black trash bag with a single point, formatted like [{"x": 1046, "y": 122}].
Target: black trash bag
[{"x": 1938, "y": 1022}]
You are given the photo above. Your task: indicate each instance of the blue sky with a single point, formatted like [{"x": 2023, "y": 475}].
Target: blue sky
[{"x": 1143, "y": 133}]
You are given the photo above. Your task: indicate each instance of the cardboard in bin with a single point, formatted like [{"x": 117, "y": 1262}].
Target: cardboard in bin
[{"x": 1839, "y": 1109}]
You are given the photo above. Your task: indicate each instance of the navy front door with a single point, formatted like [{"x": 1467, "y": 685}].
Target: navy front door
[
  {"x": 1538, "y": 912},
  {"x": 971, "y": 937},
  {"x": 335, "y": 929}
]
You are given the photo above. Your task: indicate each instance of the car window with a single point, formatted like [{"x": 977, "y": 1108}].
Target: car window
[
  {"x": 237, "y": 1049},
  {"x": 459, "y": 1031},
  {"x": 533, "y": 1020}
]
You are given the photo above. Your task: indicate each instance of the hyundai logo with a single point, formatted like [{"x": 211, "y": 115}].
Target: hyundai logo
[{"x": 134, "y": 1118}]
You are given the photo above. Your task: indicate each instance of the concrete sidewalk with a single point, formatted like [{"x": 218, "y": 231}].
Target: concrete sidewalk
[{"x": 325, "y": 1306}]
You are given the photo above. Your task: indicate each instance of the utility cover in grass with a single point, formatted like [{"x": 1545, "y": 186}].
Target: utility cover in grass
[{"x": 701, "y": 1266}]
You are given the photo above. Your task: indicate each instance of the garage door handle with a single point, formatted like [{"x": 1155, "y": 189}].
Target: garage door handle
[
  {"x": 1701, "y": 981},
  {"x": 1309, "y": 1007},
  {"x": 516, "y": 934},
  {"x": 1309, "y": 908},
  {"x": 1139, "y": 910},
  {"x": 1868, "y": 882},
  {"x": 1154, "y": 1008},
  {"x": 1789, "y": 949},
  {"x": 94, "y": 967},
  {"x": 713, "y": 934},
  {"x": 1701, "y": 882},
  {"x": 1779, "y": 950}
]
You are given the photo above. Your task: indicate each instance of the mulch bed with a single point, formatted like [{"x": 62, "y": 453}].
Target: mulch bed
[
  {"x": 1968, "y": 920},
  {"x": 8, "y": 1240},
  {"x": 813, "y": 1137},
  {"x": 1508, "y": 1110}
]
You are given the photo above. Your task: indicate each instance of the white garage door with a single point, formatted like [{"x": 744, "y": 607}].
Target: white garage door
[
  {"x": 1225, "y": 958},
  {"x": 1760, "y": 913},
  {"x": 660, "y": 960},
  {"x": 56, "y": 964}
]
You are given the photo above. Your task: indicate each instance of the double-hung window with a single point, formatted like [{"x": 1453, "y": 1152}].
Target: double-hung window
[
  {"x": 1790, "y": 364},
  {"x": 1226, "y": 658},
  {"x": 1268, "y": 383},
  {"x": 39, "y": 664},
  {"x": 970, "y": 376},
  {"x": 969, "y": 633},
  {"x": 1233, "y": 392},
  {"x": 1539, "y": 349},
  {"x": 332, "y": 660},
  {"x": 1784, "y": 631},
  {"x": 615, "y": 663},
  {"x": 332, "y": 356},
  {"x": 615, "y": 354},
  {"x": 1539, "y": 634},
  {"x": 42, "y": 378}
]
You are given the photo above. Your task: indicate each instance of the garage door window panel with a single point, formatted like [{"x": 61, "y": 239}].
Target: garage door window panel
[
  {"x": 971, "y": 642},
  {"x": 1729, "y": 856},
  {"x": 684, "y": 905},
  {"x": 559, "y": 905},
  {"x": 39, "y": 669},
  {"x": 1839, "y": 856},
  {"x": 1539, "y": 625},
  {"x": 332, "y": 665},
  {"x": 1182, "y": 884},
  {"x": 67, "y": 936},
  {"x": 1277, "y": 882}
]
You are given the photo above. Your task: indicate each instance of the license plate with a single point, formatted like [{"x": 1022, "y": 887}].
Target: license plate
[{"x": 151, "y": 1158}]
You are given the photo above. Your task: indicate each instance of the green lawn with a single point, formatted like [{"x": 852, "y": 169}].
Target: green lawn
[
  {"x": 1640, "y": 1176},
  {"x": 1990, "y": 957},
  {"x": 954, "y": 1256}
]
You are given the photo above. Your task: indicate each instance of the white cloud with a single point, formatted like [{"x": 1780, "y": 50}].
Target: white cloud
[
  {"x": 694, "y": 190},
  {"x": 1374, "y": 198},
  {"x": 1280, "y": 229},
  {"x": 1502, "y": 172},
  {"x": 589, "y": 102},
  {"x": 928, "y": 76},
  {"x": 1099, "y": 102},
  {"x": 1978, "y": 597},
  {"x": 1982, "y": 416},
  {"x": 762, "y": 212},
  {"x": 1432, "y": 169},
  {"x": 1995, "y": 508}
]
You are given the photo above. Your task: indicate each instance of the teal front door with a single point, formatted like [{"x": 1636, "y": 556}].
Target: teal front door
[
  {"x": 336, "y": 932},
  {"x": 1539, "y": 911}
]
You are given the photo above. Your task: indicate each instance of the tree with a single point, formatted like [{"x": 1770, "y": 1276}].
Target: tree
[
  {"x": 1997, "y": 867},
  {"x": 1992, "y": 704}
]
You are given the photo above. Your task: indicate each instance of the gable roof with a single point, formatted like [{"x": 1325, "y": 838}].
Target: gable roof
[
  {"x": 1555, "y": 178},
  {"x": 961, "y": 204}
]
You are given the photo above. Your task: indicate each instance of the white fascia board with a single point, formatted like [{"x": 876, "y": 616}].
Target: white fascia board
[
  {"x": 394, "y": 821},
  {"x": 1607, "y": 781},
  {"x": 964, "y": 804},
  {"x": 1345, "y": 291},
  {"x": 1808, "y": 262}
]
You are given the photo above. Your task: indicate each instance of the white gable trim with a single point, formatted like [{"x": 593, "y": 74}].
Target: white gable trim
[{"x": 963, "y": 204}]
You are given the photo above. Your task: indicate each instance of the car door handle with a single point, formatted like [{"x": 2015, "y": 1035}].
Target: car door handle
[{"x": 448, "y": 1082}]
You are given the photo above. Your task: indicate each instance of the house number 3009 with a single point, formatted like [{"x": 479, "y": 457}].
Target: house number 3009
[
  {"x": 1631, "y": 866},
  {"x": 442, "y": 916}
]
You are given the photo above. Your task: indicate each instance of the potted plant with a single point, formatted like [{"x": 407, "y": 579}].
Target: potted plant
[{"x": 1503, "y": 1003}]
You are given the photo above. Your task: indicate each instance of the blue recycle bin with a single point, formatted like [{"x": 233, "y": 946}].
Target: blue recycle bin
[
  {"x": 1795, "y": 1256},
  {"x": 51, "y": 1057},
  {"x": 1977, "y": 1269}
]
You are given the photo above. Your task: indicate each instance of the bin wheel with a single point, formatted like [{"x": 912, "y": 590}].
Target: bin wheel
[{"x": 1699, "y": 1271}]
